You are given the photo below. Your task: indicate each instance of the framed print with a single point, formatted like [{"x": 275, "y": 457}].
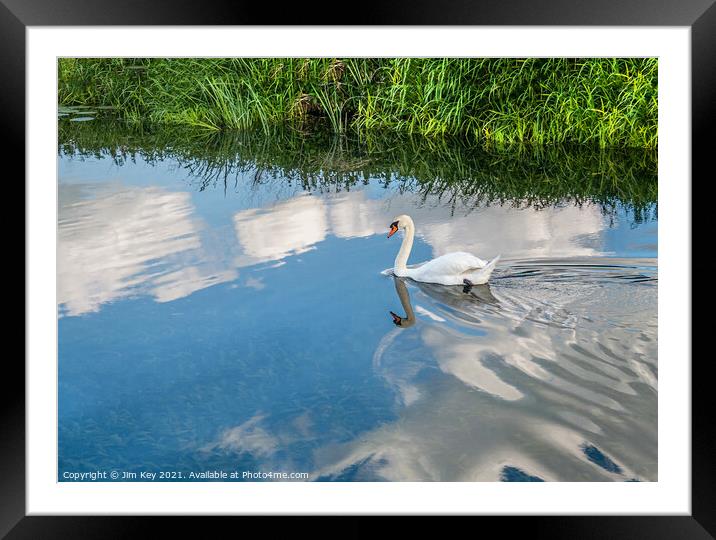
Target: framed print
[{"x": 225, "y": 314}]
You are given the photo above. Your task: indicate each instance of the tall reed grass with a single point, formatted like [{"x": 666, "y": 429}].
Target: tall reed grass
[{"x": 599, "y": 101}]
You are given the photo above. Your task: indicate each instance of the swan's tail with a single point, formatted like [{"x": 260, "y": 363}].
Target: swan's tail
[{"x": 481, "y": 275}]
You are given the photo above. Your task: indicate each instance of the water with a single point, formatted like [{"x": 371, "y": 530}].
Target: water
[{"x": 236, "y": 318}]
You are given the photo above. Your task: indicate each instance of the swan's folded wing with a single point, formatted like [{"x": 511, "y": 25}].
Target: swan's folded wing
[{"x": 454, "y": 263}]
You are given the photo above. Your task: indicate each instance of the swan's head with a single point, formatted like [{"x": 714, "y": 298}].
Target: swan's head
[{"x": 400, "y": 222}]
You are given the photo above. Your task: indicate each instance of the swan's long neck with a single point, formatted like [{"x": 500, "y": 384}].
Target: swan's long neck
[{"x": 401, "y": 261}]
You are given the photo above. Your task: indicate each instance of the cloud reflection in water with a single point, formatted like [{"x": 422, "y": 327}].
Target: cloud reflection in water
[{"x": 115, "y": 241}]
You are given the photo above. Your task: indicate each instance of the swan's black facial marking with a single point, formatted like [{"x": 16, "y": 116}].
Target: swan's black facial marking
[{"x": 393, "y": 229}]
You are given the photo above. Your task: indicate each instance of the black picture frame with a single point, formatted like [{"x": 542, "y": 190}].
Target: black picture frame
[{"x": 699, "y": 15}]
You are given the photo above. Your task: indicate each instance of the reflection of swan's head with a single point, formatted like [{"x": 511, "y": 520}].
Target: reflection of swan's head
[{"x": 401, "y": 222}]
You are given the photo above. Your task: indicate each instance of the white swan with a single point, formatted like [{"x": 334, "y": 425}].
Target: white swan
[{"x": 458, "y": 268}]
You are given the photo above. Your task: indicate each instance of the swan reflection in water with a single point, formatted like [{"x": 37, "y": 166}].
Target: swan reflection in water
[{"x": 452, "y": 296}]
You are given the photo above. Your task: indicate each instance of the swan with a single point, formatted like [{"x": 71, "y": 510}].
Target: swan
[{"x": 457, "y": 268}]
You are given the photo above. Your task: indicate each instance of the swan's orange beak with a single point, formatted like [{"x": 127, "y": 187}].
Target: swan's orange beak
[{"x": 393, "y": 230}]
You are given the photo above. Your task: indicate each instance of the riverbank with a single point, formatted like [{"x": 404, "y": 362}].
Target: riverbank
[{"x": 599, "y": 102}]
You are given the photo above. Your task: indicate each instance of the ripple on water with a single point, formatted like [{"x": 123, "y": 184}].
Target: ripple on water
[{"x": 558, "y": 346}]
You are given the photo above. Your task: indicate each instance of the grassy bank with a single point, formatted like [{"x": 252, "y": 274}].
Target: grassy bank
[
  {"x": 458, "y": 174},
  {"x": 602, "y": 102}
]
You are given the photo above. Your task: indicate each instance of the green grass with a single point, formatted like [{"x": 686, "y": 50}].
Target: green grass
[
  {"x": 459, "y": 174},
  {"x": 609, "y": 102}
]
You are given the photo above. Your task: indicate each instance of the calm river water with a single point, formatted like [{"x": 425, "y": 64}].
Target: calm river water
[{"x": 237, "y": 320}]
